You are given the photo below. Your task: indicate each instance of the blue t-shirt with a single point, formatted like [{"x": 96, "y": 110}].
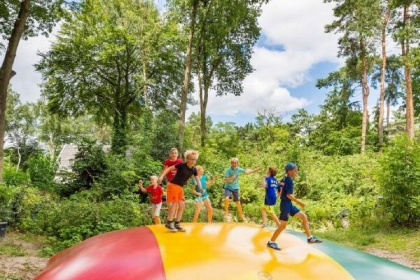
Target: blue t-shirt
[
  {"x": 287, "y": 188},
  {"x": 229, "y": 173},
  {"x": 272, "y": 185},
  {"x": 203, "y": 181}
]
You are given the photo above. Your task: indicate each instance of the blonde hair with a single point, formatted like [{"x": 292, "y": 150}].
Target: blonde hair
[
  {"x": 199, "y": 167},
  {"x": 190, "y": 152},
  {"x": 173, "y": 149},
  {"x": 153, "y": 177},
  {"x": 234, "y": 160}
]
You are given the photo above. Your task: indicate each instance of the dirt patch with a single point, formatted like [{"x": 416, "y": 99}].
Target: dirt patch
[
  {"x": 398, "y": 258},
  {"x": 21, "y": 268},
  {"x": 19, "y": 258}
]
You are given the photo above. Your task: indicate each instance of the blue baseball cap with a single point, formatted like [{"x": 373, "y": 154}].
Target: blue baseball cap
[{"x": 290, "y": 166}]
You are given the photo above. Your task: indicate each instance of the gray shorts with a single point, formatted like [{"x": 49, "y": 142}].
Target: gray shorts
[
  {"x": 234, "y": 193},
  {"x": 156, "y": 209}
]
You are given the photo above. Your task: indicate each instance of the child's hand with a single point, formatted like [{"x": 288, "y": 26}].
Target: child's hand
[
  {"x": 140, "y": 182},
  {"x": 301, "y": 204}
]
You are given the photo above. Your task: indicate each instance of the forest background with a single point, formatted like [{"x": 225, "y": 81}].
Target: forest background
[{"x": 121, "y": 73}]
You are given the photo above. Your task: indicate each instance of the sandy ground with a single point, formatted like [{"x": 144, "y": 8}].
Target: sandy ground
[
  {"x": 21, "y": 268},
  {"x": 395, "y": 258}
]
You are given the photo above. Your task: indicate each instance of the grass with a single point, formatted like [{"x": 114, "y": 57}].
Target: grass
[
  {"x": 19, "y": 256},
  {"x": 17, "y": 244},
  {"x": 405, "y": 242}
]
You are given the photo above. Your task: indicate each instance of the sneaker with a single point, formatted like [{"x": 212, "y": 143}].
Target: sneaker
[
  {"x": 170, "y": 226},
  {"x": 273, "y": 245},
  {"x": 263, "y": 225},
  {"x": 178, "y": 227},
  {"x": 313, "y": 240}
]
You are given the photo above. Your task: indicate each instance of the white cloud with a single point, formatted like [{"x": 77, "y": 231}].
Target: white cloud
[
  {"x": 26, "y": 81},
  {"x": 294, "y": 41}
]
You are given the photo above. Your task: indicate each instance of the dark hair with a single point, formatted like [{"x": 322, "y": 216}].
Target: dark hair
[{"x": 272, "y": 171}]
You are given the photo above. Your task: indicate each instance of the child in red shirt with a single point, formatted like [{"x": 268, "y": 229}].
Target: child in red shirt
[{"x": 156, "y": 192}]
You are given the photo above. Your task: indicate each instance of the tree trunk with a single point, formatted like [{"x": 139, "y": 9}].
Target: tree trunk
[
  {"x": 119, "y": 137},
  {"x": 365, "y": 91},
  {"x": 409, "y": 111},
  {"x": 6, "y": 72},
  {"x": 187, "y": 73},
  {"x": 203, "y": 109},
  {"x": 202, "y": 115},
  {"x": 382, "y": 93},
  {"x": 388, "y": 114}
]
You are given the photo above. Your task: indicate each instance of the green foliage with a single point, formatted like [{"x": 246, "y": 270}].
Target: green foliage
[
  {"x": 72, "y": 220},
  {"x": 89, "y": 166},
  {"x": 7, "y": 195},
  {"x": 108, "y": 56},
  {"x": 42, "y": 172},
  {"x": 14, "y": 177},
  {"x": 399, "y": 177}
]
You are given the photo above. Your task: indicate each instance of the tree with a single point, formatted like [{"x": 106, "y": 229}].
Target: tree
[
  {"x": 406, "y": 33},
  {"x": 111, "y": 59},
  {"x": 340, "y": 117},
  {"x": 226, "y": 33},
  {"x": 386, "y": 16},
  {"x": 393, "y": 83},
  {"x": 21, "y": 124},
  {"x": 358, "y": 22},
  {"x": 20, "y": 127},
  {"x": 187, "y": 72},
  {"x": 21, "y": 19}
]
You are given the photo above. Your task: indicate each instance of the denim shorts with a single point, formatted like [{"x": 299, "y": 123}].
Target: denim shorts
[{"x": 234, "y": 193}]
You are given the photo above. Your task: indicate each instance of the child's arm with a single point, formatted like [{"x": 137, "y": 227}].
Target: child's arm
[
  {"x": 194, "y": 191},
  {"x": 213, "y": 179},
  {"x": 197, "y": 180},
  {"x": 250, "y": 171},
  {"x": 166, "y": 171},
  {"x": 298, "y": 201},
  {"x": 264, "y": 183},
  {"x": 230, "y": 179},
  {"x": 141, "y": 186}
]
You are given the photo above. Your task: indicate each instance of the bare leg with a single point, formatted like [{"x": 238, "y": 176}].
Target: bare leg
[
  {"x": 278, "y": 230},
  {"x": 181, "y": 207},
  {"x": 241, "y": 214},
  {"x": 197, "y": 211},
  {"x": 209, "y": 209},
  {"x": 171, "y": 210},
  {"x": 305, "y": 223},
  {"x": 275, "y": 219},
  {"x": 264, "y": 215},
  {"x": 156, "y": 220},
  {"x": 226, "y": 207}
]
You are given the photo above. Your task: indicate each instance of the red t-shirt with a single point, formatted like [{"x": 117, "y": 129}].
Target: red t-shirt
[
  {"x": 169, "y": 163},
  {"x": 155, "y": 194}
]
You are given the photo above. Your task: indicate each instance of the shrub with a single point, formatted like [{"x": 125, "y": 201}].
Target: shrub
[
  {"x": 399, "y": 177},
  {"x": 42, "y": 171},
  {"x": 13, "y": 177}
]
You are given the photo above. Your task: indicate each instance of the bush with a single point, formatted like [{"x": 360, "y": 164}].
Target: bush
[
  {"x": 42, "y": 171},
  {"x": 13, "y": 177},
  {"x": 399, "y": 177}
]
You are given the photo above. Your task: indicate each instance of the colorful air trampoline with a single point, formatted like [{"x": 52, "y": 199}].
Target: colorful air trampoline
[{"x": 214, "y": 251}]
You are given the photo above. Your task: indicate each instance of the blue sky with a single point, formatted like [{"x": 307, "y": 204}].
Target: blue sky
[{"x": 292, "y": 53}]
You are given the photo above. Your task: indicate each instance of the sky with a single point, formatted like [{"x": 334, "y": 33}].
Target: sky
[{"x": 291, "y": 54}]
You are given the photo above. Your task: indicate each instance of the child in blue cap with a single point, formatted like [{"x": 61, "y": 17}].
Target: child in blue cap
[{"x": 287, "y": 208}]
